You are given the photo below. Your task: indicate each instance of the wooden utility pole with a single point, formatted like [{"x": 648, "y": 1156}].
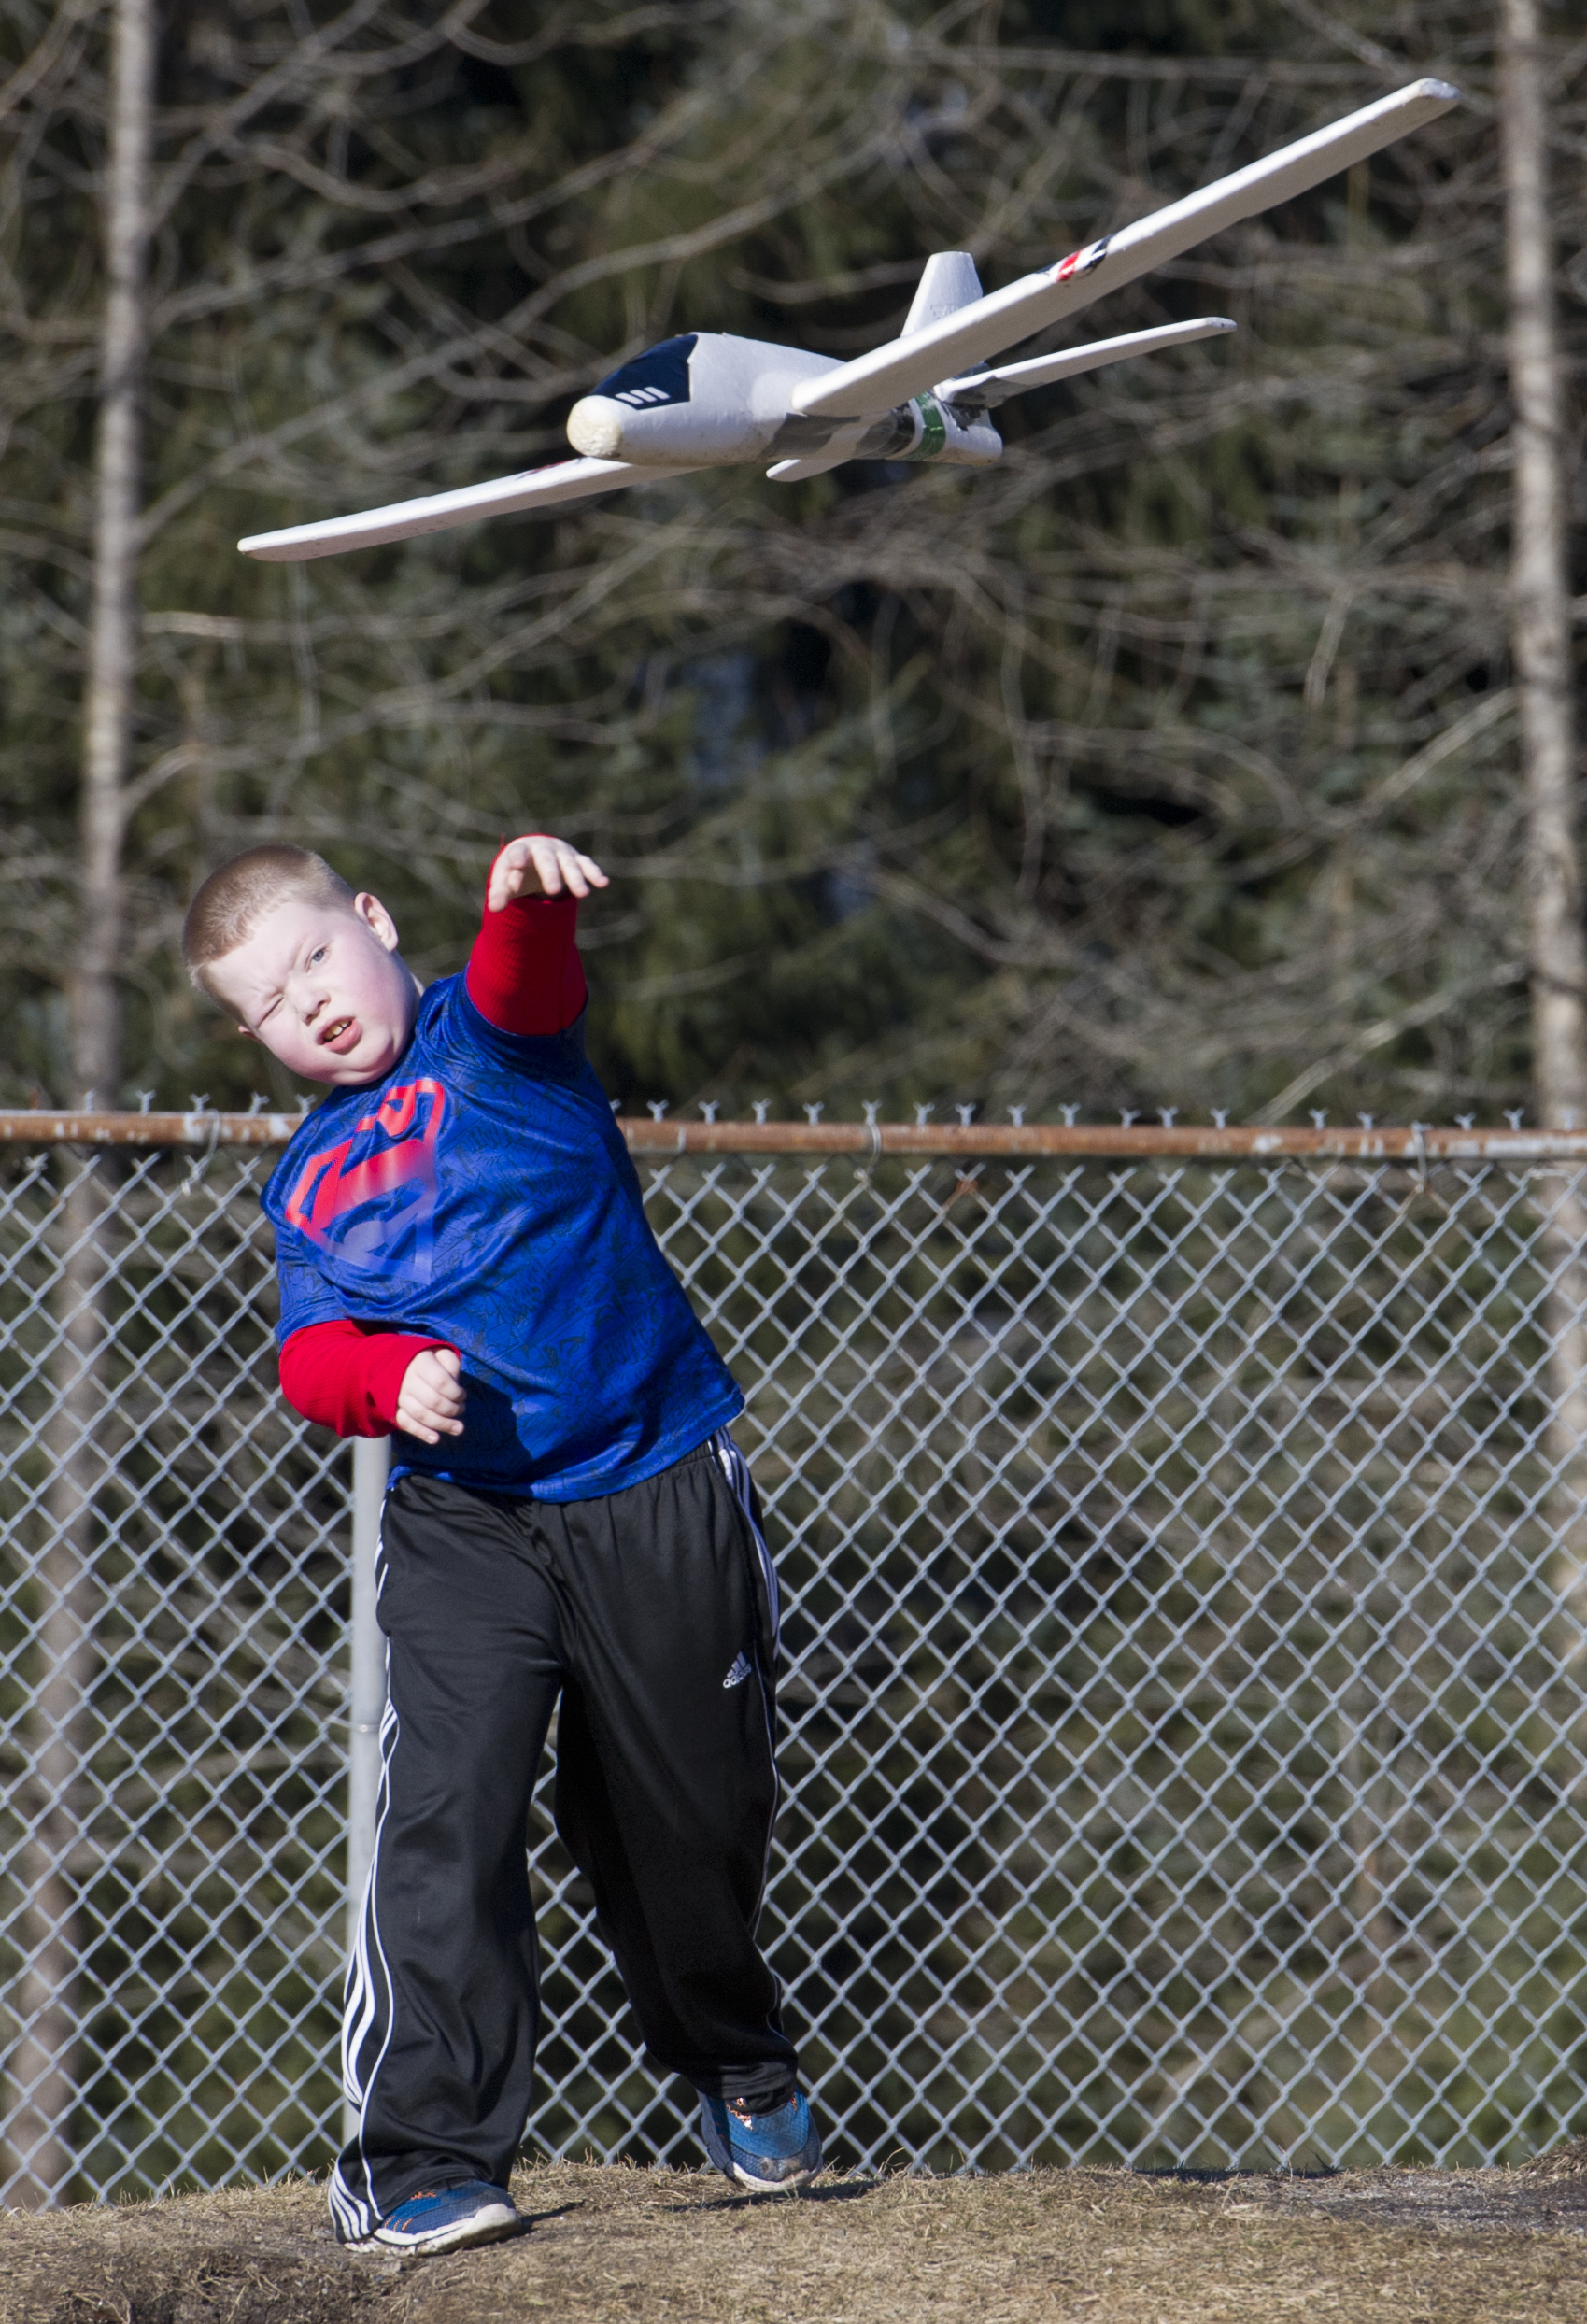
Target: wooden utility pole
[
  {"x": 113, "y": 637},
  {"x": 1540, "y": 621},
  {"x": 1541, "y": 648},
  {"x": 44, "y": 2066}
]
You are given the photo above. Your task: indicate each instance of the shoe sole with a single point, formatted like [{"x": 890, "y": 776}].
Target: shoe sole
[
  {"x": 772, "y": 2187},
  {"x": 491, "y": 2227}
]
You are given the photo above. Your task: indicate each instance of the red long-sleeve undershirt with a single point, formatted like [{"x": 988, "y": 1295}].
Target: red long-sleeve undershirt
[
  {"x": 349, "y": 1376},
  {"x": 524, "y": 975}
]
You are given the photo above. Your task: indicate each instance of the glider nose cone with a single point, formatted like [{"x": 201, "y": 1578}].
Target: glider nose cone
[{"x": 595, "y": 427}]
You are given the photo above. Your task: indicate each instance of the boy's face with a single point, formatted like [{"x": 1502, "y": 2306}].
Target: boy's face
[{"x": 321, "y": 984}]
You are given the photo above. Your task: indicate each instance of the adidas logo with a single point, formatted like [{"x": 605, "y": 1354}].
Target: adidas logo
[{"x": 739, "y": 1672}]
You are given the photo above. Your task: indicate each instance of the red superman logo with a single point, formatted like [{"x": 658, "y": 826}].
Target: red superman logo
[{"x": 377, "y": 1212}]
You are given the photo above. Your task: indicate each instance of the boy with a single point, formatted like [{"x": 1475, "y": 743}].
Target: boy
[{"x": 464, "y": 1259}]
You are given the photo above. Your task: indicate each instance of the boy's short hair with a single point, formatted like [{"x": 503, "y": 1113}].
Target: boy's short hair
[{"x": 232, "y": 902}]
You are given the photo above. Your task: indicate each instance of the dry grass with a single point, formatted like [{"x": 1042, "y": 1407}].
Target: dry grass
[{"x": 1417, "y": 2248}]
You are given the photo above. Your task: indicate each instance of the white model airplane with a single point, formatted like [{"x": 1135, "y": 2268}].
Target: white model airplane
[{"x": 709, "y": 401}]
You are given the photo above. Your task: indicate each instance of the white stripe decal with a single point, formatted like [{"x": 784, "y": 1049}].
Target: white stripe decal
[
  {"x": 736, "y": 1470},
  {"x": 369, "y": 1993},
  {"x": 352, "y": 2218},
  {"x": 361, "y": 2004}
]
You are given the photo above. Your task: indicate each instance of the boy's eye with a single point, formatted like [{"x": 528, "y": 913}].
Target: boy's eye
[{"x": 316, "y": 955}]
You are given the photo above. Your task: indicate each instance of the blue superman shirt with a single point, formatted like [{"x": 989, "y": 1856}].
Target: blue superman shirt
[{"x": 481, "y": 1193}]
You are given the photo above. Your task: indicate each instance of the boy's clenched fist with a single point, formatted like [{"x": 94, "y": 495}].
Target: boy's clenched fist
[{"x": 431, "y": 1404}]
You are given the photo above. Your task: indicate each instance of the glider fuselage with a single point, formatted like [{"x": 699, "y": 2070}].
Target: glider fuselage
[{"x": 708, "y": 400}]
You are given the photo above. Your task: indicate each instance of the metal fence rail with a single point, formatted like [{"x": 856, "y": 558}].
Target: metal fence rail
[{"x": 1183, "y": 1743}]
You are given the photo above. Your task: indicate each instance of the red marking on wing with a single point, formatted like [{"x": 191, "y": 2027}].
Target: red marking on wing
[{"x": 1080, "y": 262}]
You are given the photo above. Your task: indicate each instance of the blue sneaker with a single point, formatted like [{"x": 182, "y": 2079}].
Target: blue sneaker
[
  {"x": 449, "y": 2218},
  {"x": 772, "y": 2153}
]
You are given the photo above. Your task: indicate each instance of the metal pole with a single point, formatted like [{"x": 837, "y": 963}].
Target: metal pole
[{"x": 372, "y": 1460}]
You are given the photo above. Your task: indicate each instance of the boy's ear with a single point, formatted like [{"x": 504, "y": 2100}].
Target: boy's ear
[
  {"x": 379, "y": 921},
  {"x": 248, "y": 1032}
]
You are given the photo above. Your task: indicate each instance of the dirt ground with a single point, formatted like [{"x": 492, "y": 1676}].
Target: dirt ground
[{"x": 610, "y": 2245}]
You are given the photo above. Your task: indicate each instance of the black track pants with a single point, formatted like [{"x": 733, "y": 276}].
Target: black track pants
[{"x": 651, "y": 1613}]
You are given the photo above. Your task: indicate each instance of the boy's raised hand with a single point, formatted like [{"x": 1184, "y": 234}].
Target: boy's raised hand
[
  {"x": 431, "y": 1404},
  {"x": 539, "y": 865}
]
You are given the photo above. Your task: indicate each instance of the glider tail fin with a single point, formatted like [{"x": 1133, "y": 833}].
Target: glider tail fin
[{"x": 949, "y": 282}]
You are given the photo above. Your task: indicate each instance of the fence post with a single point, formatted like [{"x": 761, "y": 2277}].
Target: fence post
[
  {"x": 372, "y": 1460},
  {"x": 49, "y": 1998}
]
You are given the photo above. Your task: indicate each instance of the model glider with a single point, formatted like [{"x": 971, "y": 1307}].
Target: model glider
[{"x": 706, "y": 400}]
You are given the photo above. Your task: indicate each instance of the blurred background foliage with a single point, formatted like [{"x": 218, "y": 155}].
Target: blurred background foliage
[{"x": 1171, "y": 763}]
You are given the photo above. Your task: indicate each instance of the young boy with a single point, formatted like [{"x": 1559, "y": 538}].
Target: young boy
[{"x": 464, "y": 1260}]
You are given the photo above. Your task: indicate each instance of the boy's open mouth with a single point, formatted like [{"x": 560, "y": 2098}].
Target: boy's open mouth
[{"x": 340, "y": 1035}]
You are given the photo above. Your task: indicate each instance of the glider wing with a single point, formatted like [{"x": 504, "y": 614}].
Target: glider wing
[
  {"x": 536, "y": 488},
  {"x": 890, "y": 374},
  {"x": 992, "y": 388}
]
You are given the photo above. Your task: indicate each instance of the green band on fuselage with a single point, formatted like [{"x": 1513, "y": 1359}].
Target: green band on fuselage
[{"x": 933, "y": 428}]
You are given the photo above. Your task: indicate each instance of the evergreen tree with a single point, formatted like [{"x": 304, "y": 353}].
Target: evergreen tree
[{"x": 1172, "y": 762}]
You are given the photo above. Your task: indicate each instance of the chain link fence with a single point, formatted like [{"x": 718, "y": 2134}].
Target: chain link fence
[{"x": 1184, "y": 1742}]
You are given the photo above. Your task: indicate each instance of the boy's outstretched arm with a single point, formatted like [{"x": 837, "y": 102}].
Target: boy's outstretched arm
[{"x": 524, "y": 975}]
